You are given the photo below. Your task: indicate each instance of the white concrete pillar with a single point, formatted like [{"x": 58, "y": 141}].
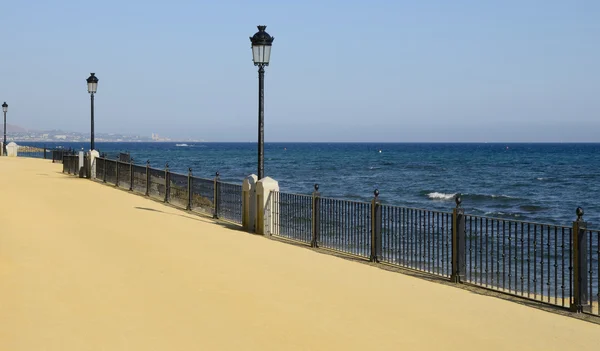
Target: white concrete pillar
[
  {"x": 12, "y": 149},
  {"x": 81, "y": 164},
  {"x": 1, "y": 148},
  {"x": 267, "y": 213},
  {"x": 93, "y": 155},
  {"x": 249, "y": 202}
]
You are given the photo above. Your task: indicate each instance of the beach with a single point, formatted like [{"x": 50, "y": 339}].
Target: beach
[{"x": 87, "y": 267}]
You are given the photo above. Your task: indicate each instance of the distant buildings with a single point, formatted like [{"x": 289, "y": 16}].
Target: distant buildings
[
  {"x": 20, "y": 134},
  {"x": 155, "y": 137}
]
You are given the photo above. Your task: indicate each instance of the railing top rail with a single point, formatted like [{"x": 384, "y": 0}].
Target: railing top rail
[{"x": 518, "y": 221}]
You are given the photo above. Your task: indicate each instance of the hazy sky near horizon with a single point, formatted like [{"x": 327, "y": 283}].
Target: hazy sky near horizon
[{"x": 378, "y": 70}]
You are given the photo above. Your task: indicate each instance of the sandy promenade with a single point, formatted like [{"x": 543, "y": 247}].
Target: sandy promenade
[{"x": 87, "y": 267}]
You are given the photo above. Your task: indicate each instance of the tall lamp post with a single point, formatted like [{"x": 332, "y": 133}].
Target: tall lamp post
[
  {"x": 4, "y": 109},
  {"x": 92, "y": 83},
  {"x": 261, "y": 53}
]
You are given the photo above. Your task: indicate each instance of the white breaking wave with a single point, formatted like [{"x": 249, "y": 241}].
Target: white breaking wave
[
  {"x": 440, "y": 196},
  {"x": 181, "y": 145}
]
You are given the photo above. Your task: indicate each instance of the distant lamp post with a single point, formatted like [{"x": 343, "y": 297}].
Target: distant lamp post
[
  {"x": 261, "y": 53},
  {"x": 4, "y": 109},
  {"x": 92, "y": 83}
]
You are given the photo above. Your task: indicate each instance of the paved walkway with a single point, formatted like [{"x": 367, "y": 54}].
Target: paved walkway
[{"x": 87, "y": 267}]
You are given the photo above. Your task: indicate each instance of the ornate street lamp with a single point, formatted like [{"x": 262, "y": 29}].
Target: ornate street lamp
[
  {"x": 92, "y": 83},
  {"x": 261, "y": 53},
  {"x": 4, "y": 109}
]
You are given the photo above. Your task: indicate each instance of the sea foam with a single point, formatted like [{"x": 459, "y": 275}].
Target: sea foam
[{"x": 440, "y": 196}]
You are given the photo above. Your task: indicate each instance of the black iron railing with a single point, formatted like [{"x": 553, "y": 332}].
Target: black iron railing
[
  {"x": 345, "y": 226},
  {"x": 178, "y": 190},
  {"x": 34, "y": 152},
  {"x": 557, "y": 265},
  {"x": 593, "y": 271},
  {"x": 57, "y": 155},
  {"x": 208, "y": 196},
  {"x": 292, "y": 216},
  {"x": 527, "y": 259},
  {"x": 417, "y": 239},
  {"x": 71, "y": 164},
  {"x": 203, "y": 195},
  {"x": 100, "y": 165},
  {"x": 536, "y": 261},
  {"x": 157, "y": 183},
  {"x": 109, "y": 172},
  {"x": 124, "y": 175},
  {"x": 229, "y": 201},
  {"x": 139, "y": 179}
]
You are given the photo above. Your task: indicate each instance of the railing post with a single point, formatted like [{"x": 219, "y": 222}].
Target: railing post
[
  {"x": 147, "y": 177},
  {"x": 189, "y": 189},
  {"x": 217, "y": 196},
  {"x": 117, "y": 167},
  {"x": 458, "y": 242},
  {"x": 581, "y": 300},
  {"x": 104, "y": 169},
  {"x": 316, "y": 217},
  {"x": 131, "y": 174},
  {"x": 44, "y": 152},
  {"x": 375, "y": 228},
  {"x": 167, "y": 185}
]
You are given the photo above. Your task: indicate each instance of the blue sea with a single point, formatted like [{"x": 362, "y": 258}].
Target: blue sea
[{"x": 533, "y": 182}]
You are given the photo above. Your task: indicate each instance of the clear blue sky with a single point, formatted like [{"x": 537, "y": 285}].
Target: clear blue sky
[{"x": 340, "y": 70}]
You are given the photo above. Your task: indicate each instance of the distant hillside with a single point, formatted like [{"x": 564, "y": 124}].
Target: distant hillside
[{"x": 14, "y": 129}]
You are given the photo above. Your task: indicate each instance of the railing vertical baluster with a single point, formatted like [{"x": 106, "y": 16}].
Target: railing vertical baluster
[
  {"x": 486, "y": 252},
  {"x": 510, "y": 257},
  {"x": 428, "y": 232},
  {"x": 548, "y": 267},
  {"x": 413, "y": 244},
  {"x": 522, "y": 264},
  {"x": 482, "y": 251},
  {"x": 598, "y": 271},
  {"x": 439, "y": 235},
  {"x": 344, "y": 228},
  {"x": 535, "y": 261},
  {"x": 401, "y": 227},
  {"x": 556, "y": 265},
  {"x": 528, "y": 259},
  {"x": 472, "y": 250},
  {"x": 589, "y": 260}
]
